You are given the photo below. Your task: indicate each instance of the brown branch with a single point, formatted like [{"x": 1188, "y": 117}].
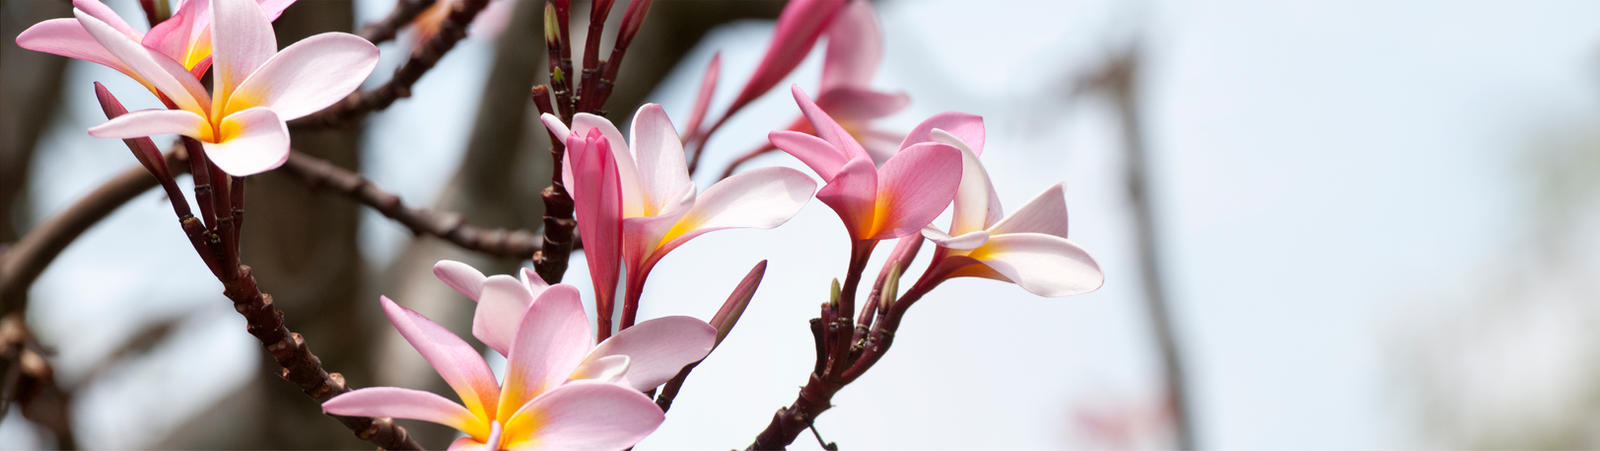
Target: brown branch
[
  {"x": 359, "y": 104},
  {"x": 551, "y": 260},
  {"x": 27, "y": 380},
  {"x": 403, "y": 13},
  {"x": 300, "y": 366},
  {"x": 317, "y": 173},
  {"x": 30, "y": 255}
]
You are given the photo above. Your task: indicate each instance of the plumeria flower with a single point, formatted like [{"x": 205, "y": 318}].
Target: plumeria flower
[
  {"x": 855, "y": 49},
  {"x": 184, "y": 38},
  {"x": 652, "y": 360},
  {"x": 800, "y": 25},
  {"x": 659, "y": 208},
  {"x": 255, "y": 88},
  {"x": 875, "y": 203},
  {"x": 1029, "y": 248},
  {"x": 539, "y": 405}
]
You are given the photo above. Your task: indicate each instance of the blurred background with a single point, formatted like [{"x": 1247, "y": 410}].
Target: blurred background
[{"x": 1324, "y": 225}]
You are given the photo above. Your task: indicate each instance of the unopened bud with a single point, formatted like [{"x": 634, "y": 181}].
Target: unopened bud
[
  {"x": 833, "y": 293},
  {"x": 552, "y": 24},
  {"x": 734, "y": 307},
  {"x": 891, "y": 289}
]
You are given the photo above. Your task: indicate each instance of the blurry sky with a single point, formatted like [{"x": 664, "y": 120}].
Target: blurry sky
[{"x": 1325, "y": 172}]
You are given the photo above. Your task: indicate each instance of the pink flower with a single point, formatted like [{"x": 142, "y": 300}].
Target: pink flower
[
  {"x": 855, "y": 49},
  {"x": 556, "y": 394},
  {"x": 799, "y": 26},
  {"x": 184, "y": 38},
  {"x": 255, "y": 87},
  {"x": 652, "y": 359},
  {"x": 1029, "y": 247},
  {"x": 659, "y": 208},
  {"x": 875, "y": 203}
]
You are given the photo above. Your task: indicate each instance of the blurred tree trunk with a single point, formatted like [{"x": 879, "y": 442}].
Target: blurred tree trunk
[{"x": 303, "y": 247}]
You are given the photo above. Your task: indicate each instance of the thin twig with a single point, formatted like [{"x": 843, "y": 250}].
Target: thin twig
[
  {"x": 318, "y": 173},
  {"x": 359, "y": 104},
  {"x": 403, "y": 13}
]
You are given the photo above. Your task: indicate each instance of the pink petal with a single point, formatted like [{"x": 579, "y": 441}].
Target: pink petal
[
  {"x": 241, "y": 40},
  {"x": 967, "y": 127},
  {"x": 914, "y": 187},
  {"x": 827, "y": 128},
  {"x": 456, "y": 362},
  {"x": 642, "y": 237},
  {"x": 627, "y": 172},
  {"x": 308, "y": 75},
  {"x": 1045, "y": 265},
  {"x": 702, "y": 101},
  {"x": 880, "y": 144},
  {"x": 167, "y": 76},
  {"x": 556, "y": 127},
  {"x": 585, "y": 415},
  {"x": 504, "y": 299},
  {"x": 855, "y": 47},
  {"x": 469, "y": 444},
  {"x": 609, "y": 368},
  {"x": 657, "y": 349},
  {"x": 966, "y": 241},
  {"x": 460, "y": 277},
  {"x": 858, "y": 105},
  {"x": 977, "y": 205},
  {"x": 1046, "y": 213},
  {"x": 67, "y": 37},
  {"x": 799, "y": 26},
  {"x": 761, "y": 199},
  {"x": 853, "y": 194},
  {"x": 178, "y": 36},
  {"x": 553, "y": 337},
  {"x": 252, "y": 141},
  {"x": 597, "y": 200},
  {"x": 274, "y": 8},
  {"x": 658, "y": 152},
  {"x": 561, "y": 133},
  {"x": 144, "y": 123},
  {"x": 817, "y": 154},
  {"x": 403, "y": 403},
  {"x": 532, "y": 280},
  {"x": 104, "y": 13},
  {"x": 187, "y": 34}
]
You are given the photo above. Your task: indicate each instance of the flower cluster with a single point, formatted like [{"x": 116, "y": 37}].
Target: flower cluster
[
  {"x": 633, "y": 200},
  {"x": 255, "y": 87},
  {"x": 559, "y": 390}
]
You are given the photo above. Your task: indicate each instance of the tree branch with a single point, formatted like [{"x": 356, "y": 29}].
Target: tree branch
[
  {"x": 28, "y": 257},
  {"x": 359, "y": 104},
  {"x": 300, "y": 366},
  {"x": 403, "y": 13},
  {"x": 317, "y": 173}
]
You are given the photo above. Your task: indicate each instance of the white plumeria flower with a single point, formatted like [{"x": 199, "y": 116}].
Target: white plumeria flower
[{"x": 1029, "y": 247}]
